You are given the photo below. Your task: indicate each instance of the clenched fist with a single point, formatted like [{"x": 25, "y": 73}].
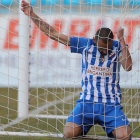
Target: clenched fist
[
  {"x": 120, "y": 33},
  {"x": 26, "y": 8}
]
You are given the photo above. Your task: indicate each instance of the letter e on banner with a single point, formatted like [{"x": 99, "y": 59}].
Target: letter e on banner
[{"x": 12, "y": 35}]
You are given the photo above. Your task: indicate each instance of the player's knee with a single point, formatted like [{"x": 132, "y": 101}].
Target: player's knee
[
  {"x": 72, "y": 130},
  {"x": 68, "y": 134},
  {"x": 124, "y": 136}
]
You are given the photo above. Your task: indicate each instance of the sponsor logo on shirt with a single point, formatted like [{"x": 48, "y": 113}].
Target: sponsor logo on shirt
[{"x": 99, "y": 71}]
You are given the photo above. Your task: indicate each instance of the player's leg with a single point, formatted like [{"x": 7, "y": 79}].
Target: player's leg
[
  {"x": 122, "y": 132},
  {"x": 116, "y": 124},
  {"x": 73, "y": 127},
  {"x": 72, "y": 130},
  {"x": 79, "y": 121}
]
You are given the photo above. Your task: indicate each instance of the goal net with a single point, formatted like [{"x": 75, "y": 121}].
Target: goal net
[{"x": 40, "y": 79}]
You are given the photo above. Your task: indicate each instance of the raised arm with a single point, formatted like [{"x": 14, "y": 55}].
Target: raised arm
[
  {"x": 125, "y": 59},
  {"x": 43, "y": 26}
]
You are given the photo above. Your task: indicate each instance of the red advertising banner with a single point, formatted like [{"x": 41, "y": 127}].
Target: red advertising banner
[
  {"x": 51, "y": 62},
  {"x": 75, "y": 27}
]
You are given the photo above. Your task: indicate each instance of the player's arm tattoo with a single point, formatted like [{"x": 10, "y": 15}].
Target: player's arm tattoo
[
  {"x": 46, "y": 28},
  {"x": 50, "y": 31}
]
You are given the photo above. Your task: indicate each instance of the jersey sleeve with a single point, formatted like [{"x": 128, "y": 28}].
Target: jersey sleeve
[{"x": 77, "y": 45}]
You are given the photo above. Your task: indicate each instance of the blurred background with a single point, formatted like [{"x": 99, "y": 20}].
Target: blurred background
[
  {"x": 55, "y": 73},
  {"x": 74, "y": 6},
  {"x": 74, "y": 18}
]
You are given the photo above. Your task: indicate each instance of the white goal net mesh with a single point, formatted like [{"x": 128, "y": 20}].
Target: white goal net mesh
[{"x": 54, "y": 72}]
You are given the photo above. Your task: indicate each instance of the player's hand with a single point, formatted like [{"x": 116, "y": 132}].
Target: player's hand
[
  {"x": 120, "y": 33},
  {"x": 26, "y": 8}
]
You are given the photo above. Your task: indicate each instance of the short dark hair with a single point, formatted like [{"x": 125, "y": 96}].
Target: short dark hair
[{"x": 105, "y": 34}]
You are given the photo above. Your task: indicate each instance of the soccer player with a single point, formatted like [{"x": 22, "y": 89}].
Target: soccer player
[{"x": 100, "y": 100}]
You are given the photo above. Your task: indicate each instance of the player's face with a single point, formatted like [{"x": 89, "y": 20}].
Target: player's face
[{"x": 104, "y": 48}]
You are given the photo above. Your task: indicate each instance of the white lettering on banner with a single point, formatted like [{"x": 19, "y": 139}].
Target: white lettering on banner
[{"x": 99, "y": 71}]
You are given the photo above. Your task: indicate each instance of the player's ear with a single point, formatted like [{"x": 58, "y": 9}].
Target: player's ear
[{"x": 94, "y": 39}]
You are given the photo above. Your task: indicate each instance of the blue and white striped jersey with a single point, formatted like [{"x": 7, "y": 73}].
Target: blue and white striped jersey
[{"x": 100, "y": 76}]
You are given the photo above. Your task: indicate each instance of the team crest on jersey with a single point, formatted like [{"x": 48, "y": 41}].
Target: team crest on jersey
[
  {"x": 112, "y": 55},
  {"x": 102, "y": 60}
]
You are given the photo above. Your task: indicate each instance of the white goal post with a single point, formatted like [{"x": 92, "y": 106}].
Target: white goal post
[
  {"x": 24, "y": 46},
  {"x": 41, "y": 80}
]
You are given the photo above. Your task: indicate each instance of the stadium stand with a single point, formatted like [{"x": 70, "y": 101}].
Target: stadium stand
[
  {"x": 93, "y": 11},
  {"x": 48, "y": 11},
  {"x": 33, "y": 2},
  {"x": 116, "y": 2},
  {"x": 135, "y": 3},
  {"x": 93, "y": 2},
  {"x": 74, "y": 6},
  {"x": 136, "y": 11},
  {"x": 72, "y": 11},
  {"x": 114, "y": 11},
  {"x": 72, "y": 2},
  {"x": 49, "y": 2},
  {"x": 6, "y": 2}
]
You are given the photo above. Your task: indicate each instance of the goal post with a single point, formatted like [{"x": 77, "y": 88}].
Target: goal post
[
  {"x": 23, "y": 76},
  {"x": 41, "y": 80}
]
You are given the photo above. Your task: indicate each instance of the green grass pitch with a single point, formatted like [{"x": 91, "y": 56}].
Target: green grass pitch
[{"x": 38, "y": 97}]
